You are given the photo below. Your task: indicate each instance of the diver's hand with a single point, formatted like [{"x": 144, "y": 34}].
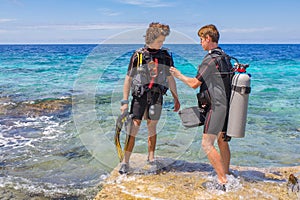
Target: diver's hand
[
  {"x": 124, "y": 108},
  {"x": 175, "y": 72},
  {"x": 176, "y": 105}
]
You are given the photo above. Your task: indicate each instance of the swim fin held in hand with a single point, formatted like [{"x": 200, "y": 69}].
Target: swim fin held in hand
[{"x": 119, "y": 124}]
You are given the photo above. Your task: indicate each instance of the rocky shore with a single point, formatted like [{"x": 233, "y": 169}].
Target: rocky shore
[{"x": 178, "y": 179}]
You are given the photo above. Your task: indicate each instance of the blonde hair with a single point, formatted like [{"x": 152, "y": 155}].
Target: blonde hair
[
  {"x": 155, "y": 30},
  {"x": 210, "y": 30}
]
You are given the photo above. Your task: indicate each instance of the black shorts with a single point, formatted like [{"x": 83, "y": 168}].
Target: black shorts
[
  {"x": 216, "y": 120},
  {"x": 148, "y": 106}
]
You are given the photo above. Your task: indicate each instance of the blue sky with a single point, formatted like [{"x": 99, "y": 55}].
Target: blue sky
[{"x": 93, "y": 21}]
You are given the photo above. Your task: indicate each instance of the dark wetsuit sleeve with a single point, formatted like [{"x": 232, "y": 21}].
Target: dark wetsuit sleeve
[
  {"x": 169, "y": 63},
  {"x": 132, "y": 64}
]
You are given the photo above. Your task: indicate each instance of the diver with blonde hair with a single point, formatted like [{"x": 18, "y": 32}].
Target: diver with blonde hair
[{"x": 148, "y": 78}]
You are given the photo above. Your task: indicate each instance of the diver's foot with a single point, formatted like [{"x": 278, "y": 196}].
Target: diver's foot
[
  {"x": 234, "y": 173},
  {"x": 124, "y": 168},
  {"x": 151, "y": 162},
  {"x": 209, "y": 185},
  {"x": 153, "y": 166}
]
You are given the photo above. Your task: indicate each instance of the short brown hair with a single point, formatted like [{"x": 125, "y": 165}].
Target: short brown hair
[
  {"x": 154, "y": 30},
  {"x": 210, "y": 30}
]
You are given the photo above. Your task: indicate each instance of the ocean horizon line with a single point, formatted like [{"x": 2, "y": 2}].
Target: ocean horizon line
[{"x": 3, "y": 44}]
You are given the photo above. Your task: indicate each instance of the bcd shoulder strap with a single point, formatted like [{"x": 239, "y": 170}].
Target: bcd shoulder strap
[{"x": 222, "y": 60}]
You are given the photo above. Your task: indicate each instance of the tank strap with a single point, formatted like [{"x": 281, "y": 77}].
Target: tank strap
[{"x": 241, "y": 89}]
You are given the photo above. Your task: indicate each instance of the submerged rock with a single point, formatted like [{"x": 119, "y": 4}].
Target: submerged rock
[
  {"x": 179, "y": 179},
  {"x": 34, "y": 108}
]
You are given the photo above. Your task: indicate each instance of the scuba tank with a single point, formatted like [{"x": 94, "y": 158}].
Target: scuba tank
[{"x": 240, "y": 91}]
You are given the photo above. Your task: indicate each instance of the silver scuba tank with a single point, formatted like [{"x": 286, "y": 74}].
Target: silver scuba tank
[{"x": 239, "y": 102}]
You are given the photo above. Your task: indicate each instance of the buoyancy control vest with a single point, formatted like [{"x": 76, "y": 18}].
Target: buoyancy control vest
[
  {"x": 225, "y": 68},
  {"x": 149, "y": 70},
  {"x": 225, "y": 71}
]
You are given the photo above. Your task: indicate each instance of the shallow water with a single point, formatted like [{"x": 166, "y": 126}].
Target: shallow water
[{"x": 59, "y": 103}]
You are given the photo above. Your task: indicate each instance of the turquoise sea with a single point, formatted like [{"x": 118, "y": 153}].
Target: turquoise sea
[{"x": 59, "y": 104}]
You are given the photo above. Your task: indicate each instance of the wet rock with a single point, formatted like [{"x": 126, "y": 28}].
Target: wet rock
[
  {"x": 34, "y": 108},
  {"x": 5, "y": 105},
  {"x": 183, "y": 180}
]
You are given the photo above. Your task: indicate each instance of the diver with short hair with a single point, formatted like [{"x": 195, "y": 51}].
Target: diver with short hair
[
  {"x": 148, "y": 77},
  {"x": 214, "y": 96}
]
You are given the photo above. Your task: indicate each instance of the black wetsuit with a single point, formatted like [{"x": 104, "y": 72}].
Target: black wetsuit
[
  {"x": 149, "y": 98},
  {"x": 214, "y": 90}
]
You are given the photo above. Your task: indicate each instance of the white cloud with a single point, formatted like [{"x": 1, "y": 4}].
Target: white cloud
[
  {"x": 16, "y": 2},
  {"x": 246, "y": 30},
  {"x": 3, "y": 20},
  {"x": 148, "y": 3},
  {"x": 79, "y": 27},
  {"x": 108, "y": 12},
  {"x": 100, "y": 26}
]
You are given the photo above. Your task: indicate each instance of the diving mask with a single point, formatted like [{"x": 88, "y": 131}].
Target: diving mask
[{"x": 153, "y": 68}]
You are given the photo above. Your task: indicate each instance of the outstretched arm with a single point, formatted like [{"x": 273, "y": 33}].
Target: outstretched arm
[
  {"x": 173, "y": 88},
  {"x": 191, "y": 82}
]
